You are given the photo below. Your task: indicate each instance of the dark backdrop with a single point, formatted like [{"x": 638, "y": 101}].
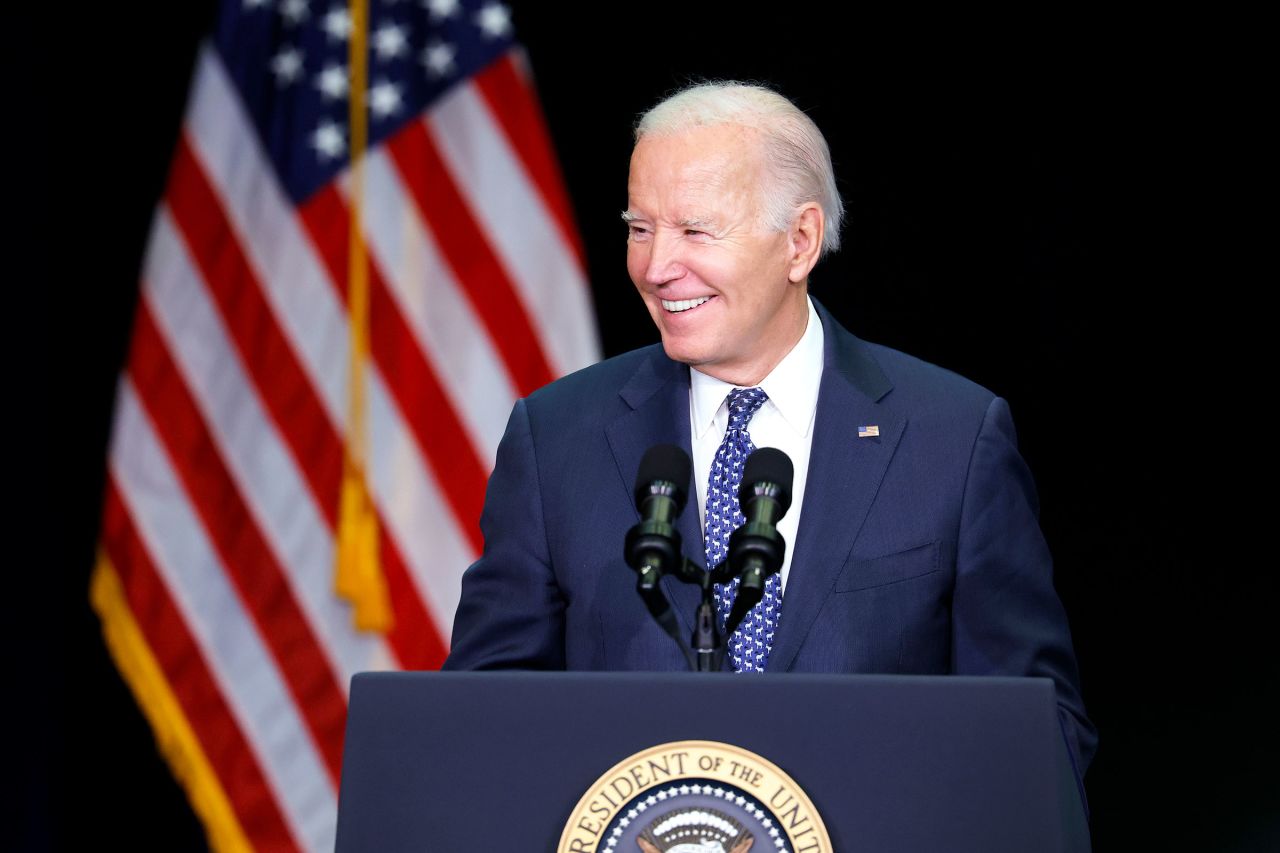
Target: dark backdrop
[{"x": 1033, "y": 204}]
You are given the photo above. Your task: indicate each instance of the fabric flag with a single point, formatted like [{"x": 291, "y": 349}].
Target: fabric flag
[{"x": 364, "y": 255}]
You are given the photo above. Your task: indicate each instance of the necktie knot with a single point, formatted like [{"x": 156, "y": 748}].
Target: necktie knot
[{"x": 743, "y": 404}]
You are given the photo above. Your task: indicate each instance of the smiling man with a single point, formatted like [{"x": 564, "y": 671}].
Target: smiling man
[
  {"x": 913, "y": 539},
  {"x": 725, "y": 286}
]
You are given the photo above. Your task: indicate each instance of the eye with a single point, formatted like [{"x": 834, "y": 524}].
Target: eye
[{"x": 635, "y": 231}]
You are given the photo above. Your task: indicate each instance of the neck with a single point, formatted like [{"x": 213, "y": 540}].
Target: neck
[{"x": 773, "y": 351}]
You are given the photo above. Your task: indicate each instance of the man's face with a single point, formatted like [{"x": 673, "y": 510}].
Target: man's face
[{"x": 713, "y": 275}]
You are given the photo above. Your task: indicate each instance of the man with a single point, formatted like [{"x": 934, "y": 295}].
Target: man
[{"x": 913, "y": 541}]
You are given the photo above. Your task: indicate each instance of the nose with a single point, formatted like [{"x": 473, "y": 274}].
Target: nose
[{"x": 662, "y": 262}]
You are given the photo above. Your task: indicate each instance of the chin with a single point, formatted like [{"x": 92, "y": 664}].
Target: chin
[
  {"x": 676, "y": 353},
  {"x": 699, "y": 357},
  {"x": 681, "y": 351},
  {"x": 695, "y": 345}
]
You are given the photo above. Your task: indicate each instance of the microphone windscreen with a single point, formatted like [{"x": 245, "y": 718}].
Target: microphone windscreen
[
  {"x": 668, "y": 463},
  {"x": 768, "y": 465}
]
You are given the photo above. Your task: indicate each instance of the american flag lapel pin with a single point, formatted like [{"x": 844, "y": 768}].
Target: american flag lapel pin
[{"x": 870, "y": 431}]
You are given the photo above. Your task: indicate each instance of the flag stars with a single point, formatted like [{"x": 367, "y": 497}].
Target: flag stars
[
  {"x": 384, "y": 99},
  {"x": 287, "y": 65},
  {"x": 332, "y": 82},
  {"x": 328, "y": 141},
  {"x": 439, "y": 57},
  {"x": 494, "y": 20},
  {"x": 294, "y": 12},
  {"x": 439, "y": 10},
  {"x": 337, "y": 23},
  {"x": 389, "y": 42}
]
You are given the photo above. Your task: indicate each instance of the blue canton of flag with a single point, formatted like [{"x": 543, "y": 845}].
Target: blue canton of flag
[{"x": 290, "y": 65}]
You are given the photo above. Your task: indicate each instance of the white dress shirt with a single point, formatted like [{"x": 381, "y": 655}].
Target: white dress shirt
[{"x": 785, "y": 421}]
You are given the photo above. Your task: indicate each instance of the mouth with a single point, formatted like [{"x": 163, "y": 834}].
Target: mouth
[{"x": 679, "y": 306}]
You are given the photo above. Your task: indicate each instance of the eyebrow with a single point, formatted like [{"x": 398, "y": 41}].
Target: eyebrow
[{"x": 628, "y": 216}]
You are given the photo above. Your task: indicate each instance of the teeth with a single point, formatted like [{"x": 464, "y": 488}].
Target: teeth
[{"x": 683, "y": 304}]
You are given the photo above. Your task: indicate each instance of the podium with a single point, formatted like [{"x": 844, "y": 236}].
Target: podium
[{"x": 507, "y": 761}]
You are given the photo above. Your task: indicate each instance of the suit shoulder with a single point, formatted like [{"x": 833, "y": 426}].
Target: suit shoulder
[
  {"x": 921, "y": 383},
  {"x": 898, "y": 380},
  {"x": 947, "y": 412},
  {"x": 593, "y": 389}
]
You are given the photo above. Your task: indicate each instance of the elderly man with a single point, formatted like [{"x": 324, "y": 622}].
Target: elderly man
[{"x": 914, "y": 545}]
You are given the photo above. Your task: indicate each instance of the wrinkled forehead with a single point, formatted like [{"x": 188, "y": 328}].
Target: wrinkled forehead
[{"x": 698, "y": 165}]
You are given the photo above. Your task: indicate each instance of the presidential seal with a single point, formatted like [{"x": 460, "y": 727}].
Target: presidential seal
[{"x": 694, "y": 796}]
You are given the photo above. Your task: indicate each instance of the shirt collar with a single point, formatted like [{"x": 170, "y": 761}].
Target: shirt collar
[{"x": 792, "y": 386}]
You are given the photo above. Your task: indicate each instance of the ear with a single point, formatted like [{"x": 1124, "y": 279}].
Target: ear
[{"x": 804, "y": 241}]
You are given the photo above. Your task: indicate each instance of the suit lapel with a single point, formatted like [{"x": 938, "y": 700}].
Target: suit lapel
[
  {"x": 844, "y": 474},
  {"x": 658, "y": 396}
]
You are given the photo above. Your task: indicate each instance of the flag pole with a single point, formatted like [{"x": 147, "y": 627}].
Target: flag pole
[{"x": 358, "y": 576}]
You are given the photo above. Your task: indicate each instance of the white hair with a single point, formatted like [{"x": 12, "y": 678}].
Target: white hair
[{"x": 799, "y": 162}]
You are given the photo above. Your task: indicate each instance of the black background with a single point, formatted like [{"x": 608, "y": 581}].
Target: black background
[{"x": 1051, "y": 207}]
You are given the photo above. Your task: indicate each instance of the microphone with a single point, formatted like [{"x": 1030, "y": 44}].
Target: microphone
[
  {"x": 653, "y": 546},
  {"x": 756, "y": 549}
]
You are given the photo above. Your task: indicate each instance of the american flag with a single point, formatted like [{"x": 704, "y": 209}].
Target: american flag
[{"x": 360, "y": 191}]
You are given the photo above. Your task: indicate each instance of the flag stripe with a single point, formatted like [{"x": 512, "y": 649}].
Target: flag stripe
[
  {"x": 470, "y": 256},
  {"x": 240, "y": 665},
  {"x": 265, "y": 472},
  {"x": 235, "y": 535},
  {"x": 413, "y": 383},
  {"x": 417, "y": 510},
  {"x": 310, "y": 313},
  {"x": 177, "y": 739},
  {"x": 188, "y": 677},
  {"x": 514, "y": 105},
  {"x": 417, "y": 642},
  {"x": 519, "y": 231},
  {"x": 298, "y": 414},
  {"x": 215, "y": 247},
  {"x": 308, "y": 306},
  {"x": 426, "y": 409},
  {"x": 434, "y": 308}
]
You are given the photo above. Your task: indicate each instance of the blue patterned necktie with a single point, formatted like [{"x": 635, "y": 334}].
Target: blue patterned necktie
[{"x": 750, "y": 644}]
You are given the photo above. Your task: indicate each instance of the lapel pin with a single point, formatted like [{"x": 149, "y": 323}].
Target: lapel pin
[{"x": 871, "y": 431}]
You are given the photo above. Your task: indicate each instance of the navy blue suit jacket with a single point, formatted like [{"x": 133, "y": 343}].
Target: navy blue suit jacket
[{"x": 919, "y": 551}]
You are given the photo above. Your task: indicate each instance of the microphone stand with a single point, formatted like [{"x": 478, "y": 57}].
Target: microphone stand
[
  {"x": 705, "y": 653},
  {"x": 707, "y": 646},
  {"x": 706, "y": 650}
]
